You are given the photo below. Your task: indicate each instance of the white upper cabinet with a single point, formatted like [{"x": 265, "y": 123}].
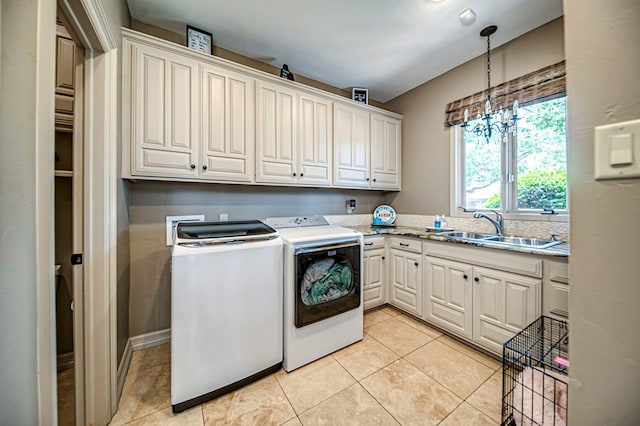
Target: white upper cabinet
[
  {"x": 164, "y": 113},
  {"x": 293, "y": 136},
  {"x": 315, "y": 136},
  {"x": 227, "y": 125},
  {"x": 352, "y": 144},
  {"x": 276, "y": 133},
  {"x": 367, "y": 148},
  {"x": 194, "y": 117},
  {"x": 385, "y": 152}
]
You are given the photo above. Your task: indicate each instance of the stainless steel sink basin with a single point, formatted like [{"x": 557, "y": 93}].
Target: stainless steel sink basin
[
  {"x": 500, "y": 240},
  {"x": 522, "y": 242},
  {"x": 463, "y": 235}
]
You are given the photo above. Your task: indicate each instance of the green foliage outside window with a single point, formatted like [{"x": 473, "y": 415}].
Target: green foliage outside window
[{"x": 538, "y": 189}]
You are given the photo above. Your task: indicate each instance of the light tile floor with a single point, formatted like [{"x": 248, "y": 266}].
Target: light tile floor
[{"x": 403, "y": 372}]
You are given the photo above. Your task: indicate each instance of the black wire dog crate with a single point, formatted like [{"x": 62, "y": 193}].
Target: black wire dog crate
[{"x": 534, "y": 375}]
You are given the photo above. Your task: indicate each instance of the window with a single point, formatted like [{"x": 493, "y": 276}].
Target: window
[{"x": 517, "y": 172}]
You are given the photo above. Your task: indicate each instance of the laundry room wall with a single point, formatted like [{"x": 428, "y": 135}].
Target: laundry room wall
[{"x": 151, "y": 202}]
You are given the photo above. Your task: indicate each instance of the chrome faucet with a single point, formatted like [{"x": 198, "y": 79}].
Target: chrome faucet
[{"x": 498, "y": 222}]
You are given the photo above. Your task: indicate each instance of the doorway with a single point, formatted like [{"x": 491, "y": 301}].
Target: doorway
[{"x": 68, "y": 231}]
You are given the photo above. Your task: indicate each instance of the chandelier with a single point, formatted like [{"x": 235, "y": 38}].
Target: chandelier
[{"x": 491, "y": 122}]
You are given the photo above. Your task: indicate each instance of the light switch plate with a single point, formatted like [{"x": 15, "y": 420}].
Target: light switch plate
[
  {"x": 617, "y": 150},
  {"x": 172, "y": 223}
]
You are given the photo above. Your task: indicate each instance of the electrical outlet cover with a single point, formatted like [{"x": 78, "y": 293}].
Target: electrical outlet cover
[{"x": 172, "y": 223}]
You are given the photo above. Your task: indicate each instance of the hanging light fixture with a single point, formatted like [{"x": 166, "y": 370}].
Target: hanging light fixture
[{"x": 498, "y": 121}]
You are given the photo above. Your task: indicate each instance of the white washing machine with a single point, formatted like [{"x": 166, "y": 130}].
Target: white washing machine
[
  {"x": 323, "y": 305},
  {"x": 226, "y": 308}
]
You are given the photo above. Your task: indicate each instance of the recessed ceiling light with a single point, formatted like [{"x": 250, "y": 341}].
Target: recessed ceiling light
[{"x": 467, "y": 16}]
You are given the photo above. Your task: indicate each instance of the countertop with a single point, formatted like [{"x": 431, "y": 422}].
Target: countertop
[{"x": 560, "y": 250}]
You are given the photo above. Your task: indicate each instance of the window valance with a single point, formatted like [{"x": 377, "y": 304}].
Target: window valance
[{"x": 543, "y": 84}]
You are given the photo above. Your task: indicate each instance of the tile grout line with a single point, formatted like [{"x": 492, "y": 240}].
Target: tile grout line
[{"x": 297, "y": 415}]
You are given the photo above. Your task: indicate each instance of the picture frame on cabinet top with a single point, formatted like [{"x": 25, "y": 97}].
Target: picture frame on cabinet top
[
  {"x": 199, "y": 40},
  {"x": 361, "y": 95}
]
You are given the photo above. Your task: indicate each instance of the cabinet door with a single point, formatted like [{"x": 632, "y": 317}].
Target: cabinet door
[
  {"x": 164, "y": 118},
  {"x": 315, "y": 147},
  {"x": 65, "y": 63},
  {"x": 405, "y": 278},
  {"x": 385, "y": 152},
  {"x": 374, "y": 277},
  {"x": 448, "y": 295},
  {"x": 228, "y": 134},
  {"x": 276, "y": 134},
  {"x": 555, "y": 291},
  {"x": 351, "y": 143},
  {"x": 503, "y": 304}
]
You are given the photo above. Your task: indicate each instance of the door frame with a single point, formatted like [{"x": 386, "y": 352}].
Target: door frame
[{"x": 87, "y": 22}]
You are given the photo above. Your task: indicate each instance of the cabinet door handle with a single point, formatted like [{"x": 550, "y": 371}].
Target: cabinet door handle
[
  {"x": 404, "y": 244},
  {"x": 301, "y": 174},
  {"x": 382, "y": 257},
  {"x": 204, "y": 167},
  {"x": 374, "y": 179},
  {"x": 368, "y": 244},
  {"x": 294, "y": 174},
  {"x": 417, "y": 264},
  {"x": 476, "y": 279},
  {"x": 367, "y": 179},
  {"x": 465, "y": 276},
  {"x": 193, "y": 167}
]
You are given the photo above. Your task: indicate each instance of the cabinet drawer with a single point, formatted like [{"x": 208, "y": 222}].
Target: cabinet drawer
[
  {"x": 556, "y": 299},
  {"x": 556, "y": 271},
  {"x": 375, "y": 242},
  {"x": 497, "y": 259},
  {"x": 407, "y": 244}
]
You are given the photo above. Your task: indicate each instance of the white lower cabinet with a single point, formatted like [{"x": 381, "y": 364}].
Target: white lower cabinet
[
  {"x": 555, "y": 289},
  {"x": 448, "y": 298},
  {"x": 405, "y": 274},
  {"x": 374, "y": 271},
  {"x": 503, "y": 304},
  {"x": 485, "y": 305}
]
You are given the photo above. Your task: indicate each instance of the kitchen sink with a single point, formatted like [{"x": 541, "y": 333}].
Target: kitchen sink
[
  {"x": 463, "y": 235},
  {"x": 500, "y": 240},
  {"x": 521, "y": 242}
]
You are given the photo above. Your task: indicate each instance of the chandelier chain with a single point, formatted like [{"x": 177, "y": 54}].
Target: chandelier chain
[{"x": 489, "y": 68}]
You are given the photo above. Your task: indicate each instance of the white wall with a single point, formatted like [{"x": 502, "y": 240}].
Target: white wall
[{"x": 603, "y": 70}]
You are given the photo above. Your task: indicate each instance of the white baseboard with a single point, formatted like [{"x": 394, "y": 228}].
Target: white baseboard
[
  {"x": 155, "y": 338},
  {"x": 124, "y": 367},
  {"x": 64, "y": 361}
]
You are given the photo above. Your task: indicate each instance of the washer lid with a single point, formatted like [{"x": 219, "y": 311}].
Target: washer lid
[{"x": 246, "y": 229}]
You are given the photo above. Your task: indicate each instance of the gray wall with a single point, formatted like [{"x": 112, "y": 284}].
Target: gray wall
[
  {"x": 603, "y": 66},
  {"x": 151, "y": 202},
  {"x": 18, "y": 214},
  {"x": 425, "y": 142}
]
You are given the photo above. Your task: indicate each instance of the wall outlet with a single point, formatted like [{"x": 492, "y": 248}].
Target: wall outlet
[
  {"x": 172, "y": 224},
  {"x": 223, "y": 217},
  {"x": 351, "y": 206}
]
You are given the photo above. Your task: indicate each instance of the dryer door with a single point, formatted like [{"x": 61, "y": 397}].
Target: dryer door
[{"x": 327, "y": 281}]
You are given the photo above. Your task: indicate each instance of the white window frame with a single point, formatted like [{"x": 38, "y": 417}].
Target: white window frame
[{"x": 508, "y": 188}]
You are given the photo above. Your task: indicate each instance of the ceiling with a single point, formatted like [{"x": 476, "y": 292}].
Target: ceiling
[{"x": 387, "y": 46}]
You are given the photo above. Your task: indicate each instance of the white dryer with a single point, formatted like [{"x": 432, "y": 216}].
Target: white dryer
[{"x": 323, "y": 306}]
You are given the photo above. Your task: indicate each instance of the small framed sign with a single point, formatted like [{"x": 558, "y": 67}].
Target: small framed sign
[
  {"x": 199, "y": 40},
  {"x": 360, "y": 95}
]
